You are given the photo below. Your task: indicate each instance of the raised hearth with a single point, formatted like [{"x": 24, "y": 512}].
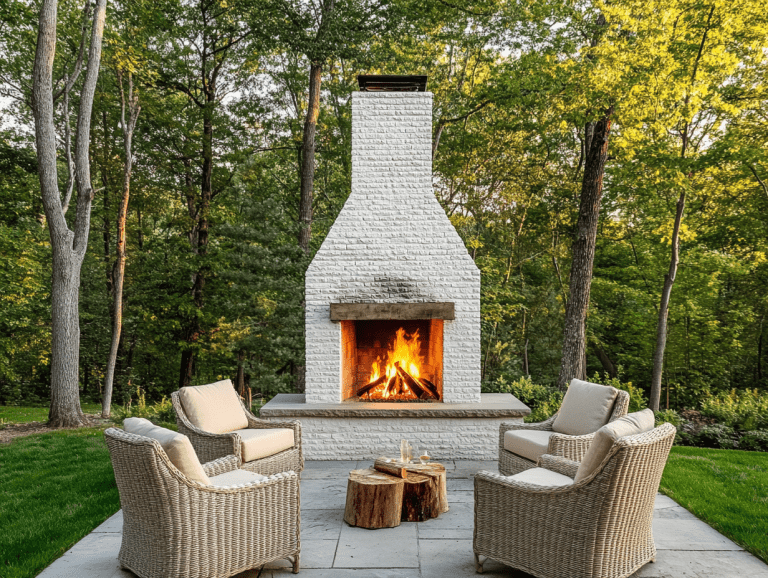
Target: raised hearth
[{"x": 359, "y": 431}]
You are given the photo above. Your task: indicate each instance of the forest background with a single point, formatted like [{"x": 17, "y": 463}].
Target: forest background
[{"x": 224, "y": 217}]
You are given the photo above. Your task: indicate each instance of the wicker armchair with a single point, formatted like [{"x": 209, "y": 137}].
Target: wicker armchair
[
  {"x": 211, "y": 446},
  {"x": 174, "y": 527},
  {"x": 599, "y": 527},
  {"x": 567, "y": 446}
]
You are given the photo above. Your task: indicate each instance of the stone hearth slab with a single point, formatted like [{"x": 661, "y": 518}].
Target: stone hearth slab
[{"x": 492, "y": 405}]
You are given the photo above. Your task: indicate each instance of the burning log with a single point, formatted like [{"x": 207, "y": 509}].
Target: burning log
[
  {"x": 429, "y": 386},
  {"x": 418, "y": 391},
  {"x": 368, "y": 387},
  {"x": 391, "y": 388}
]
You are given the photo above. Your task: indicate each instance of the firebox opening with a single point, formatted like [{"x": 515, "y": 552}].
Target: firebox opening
[{"x": 392, "y": 360}]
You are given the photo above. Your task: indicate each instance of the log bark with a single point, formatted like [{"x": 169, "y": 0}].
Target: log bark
[
  {"x": 391, "y": 384},
  {"x": 437, "y": 472},
  {"x": 369, "y": 386},
  {"x": 128, "y": 127},
  {"x": 374, "y": 499},
  {"x": 574, "y": 330},
  {"x": 429, "y": 386},
  {"x": 68, "y": 246},
  {"x": 419, "y": 391},
  {"x": 420, "y": 498},
  {"x": 390, "y": 467}
]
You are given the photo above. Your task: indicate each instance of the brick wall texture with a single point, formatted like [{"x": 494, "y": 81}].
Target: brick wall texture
[{"x": 392, "y": 243}]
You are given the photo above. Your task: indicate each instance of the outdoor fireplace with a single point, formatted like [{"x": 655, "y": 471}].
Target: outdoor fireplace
[
  {"x": 392, "y": 304},
  {"x": 392, "y": 360}
]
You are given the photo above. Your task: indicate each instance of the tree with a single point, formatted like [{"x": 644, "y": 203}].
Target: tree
[
  {"x": 68, "y": 245},
  {"x": 200, "y": 59},
  {"x": 583, "y": 253},
  {"x": 320, "y": 31},
  {"x": 131, "y": 103},
  {"x": 707, "y": 50}
]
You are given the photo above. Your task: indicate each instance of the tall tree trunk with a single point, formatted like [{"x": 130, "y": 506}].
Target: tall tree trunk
[
  {"x": 68, "y": 246},
  {"x": 200, "y": 237},
  {"x": 574, "y": 330},
  {"x": 669, "y": 278},
  {"x": 605, "y": 361},
  {"x": 308, "y": 156},
  {"x": 119, "y": 269},
  {"x": 666, "y": 292},
  {"x": 65, "y": 337}
]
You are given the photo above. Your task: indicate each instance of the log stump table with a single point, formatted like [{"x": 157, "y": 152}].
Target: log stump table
[{"x": 393, "y": 492}]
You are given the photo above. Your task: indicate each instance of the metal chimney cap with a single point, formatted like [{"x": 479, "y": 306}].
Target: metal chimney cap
[{"x": 392, "y": 83}]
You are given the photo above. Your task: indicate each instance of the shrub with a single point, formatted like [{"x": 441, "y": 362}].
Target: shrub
[
  {"x": 637, "y": 400},
  {"x": 543, "y": 400},
  {"x": 716, "y": 436},
  {"x": 160, "y": 413},
  {"x": 745, "y": 410},
  {"x": 668, "y": 416},
  {"x": 756, "y": 441}
]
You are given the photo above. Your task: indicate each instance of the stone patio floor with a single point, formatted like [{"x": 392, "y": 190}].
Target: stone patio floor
[{"x": 438, "y": 548}]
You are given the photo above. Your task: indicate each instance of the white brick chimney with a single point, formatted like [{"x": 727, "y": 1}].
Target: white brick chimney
[{"x": 392, "y": 243}]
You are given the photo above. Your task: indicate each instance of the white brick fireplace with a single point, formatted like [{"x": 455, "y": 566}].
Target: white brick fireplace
[{"x": 393, "y": 259}]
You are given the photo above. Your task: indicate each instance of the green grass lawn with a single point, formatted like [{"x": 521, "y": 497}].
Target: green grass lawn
[
  {"x": 54, "y": 489},
  {"x": 16, "y": 414},
  {"x": 728, "y": 489}
]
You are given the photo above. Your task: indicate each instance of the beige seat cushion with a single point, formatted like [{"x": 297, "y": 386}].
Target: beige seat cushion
[
  {"x": 235, "y": 478},
  {"x": 261, "y": 443},
  {"x": 177, "y": 447},
  {"x": 528, "y": 443},
  {"x": 586, "y": 408},
  {"x": 629, "y": 425},
  {"x": 542, "y": 477},
  {"x": 214, "y": 408}
]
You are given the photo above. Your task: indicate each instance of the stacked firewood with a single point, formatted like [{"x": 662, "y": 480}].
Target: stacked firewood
[{"x": 400, "y": 383}]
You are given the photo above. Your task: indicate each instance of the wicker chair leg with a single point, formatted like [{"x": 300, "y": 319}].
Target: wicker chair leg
[
  {"x": 479, "y": 563},
  {"x": 295, "y": 561}
]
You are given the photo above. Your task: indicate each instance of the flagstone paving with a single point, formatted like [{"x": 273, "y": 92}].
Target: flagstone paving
[{"x": 437, "y": 548}]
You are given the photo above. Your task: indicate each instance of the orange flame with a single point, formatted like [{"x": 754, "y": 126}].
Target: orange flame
[{"x": 405, "y": 350}]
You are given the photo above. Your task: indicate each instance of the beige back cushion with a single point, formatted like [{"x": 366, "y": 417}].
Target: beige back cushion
[
  {"x": 177, "y": 447},
  {"x": 214, "y": 408},
  {"x": 629, "y": 425},
  {"x": 586, "y": 408}
]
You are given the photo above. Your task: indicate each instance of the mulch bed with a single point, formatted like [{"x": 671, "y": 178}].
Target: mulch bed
[{"x": 11, "y": 431}]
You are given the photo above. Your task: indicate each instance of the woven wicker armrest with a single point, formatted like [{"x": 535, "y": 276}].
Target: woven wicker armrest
[
  {"x": 221, "y": 466},
  {"x": 545, "y": 425},
  {"x": 559, "y": 464},
  {"x": 289, "y": 481},
  {"x": 259, "y": 423},
  {"x": 508, "y": 483},
  {"x": 571, "y": 447}
]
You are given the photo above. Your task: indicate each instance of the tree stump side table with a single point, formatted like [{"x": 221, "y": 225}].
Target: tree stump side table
[
  {"x": 382, "y": 499},
  {"x": 374, "y": 499}
]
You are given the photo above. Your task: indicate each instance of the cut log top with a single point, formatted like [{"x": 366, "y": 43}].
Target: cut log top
[{"x": 369, "y": 476}]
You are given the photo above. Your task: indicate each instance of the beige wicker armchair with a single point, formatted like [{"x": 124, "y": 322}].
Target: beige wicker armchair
[
  {"x": 541, "y": 438},
  {"x": 599, "y": 527},
  {"x": 210, "y": 446},
  {"x": 174, "y": 527}
]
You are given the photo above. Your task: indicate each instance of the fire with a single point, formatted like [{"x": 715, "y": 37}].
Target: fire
[{"x": 400, "y": 376}]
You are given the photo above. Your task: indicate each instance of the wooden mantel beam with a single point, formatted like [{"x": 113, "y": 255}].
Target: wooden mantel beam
[{"x": 370, "y": 311}]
